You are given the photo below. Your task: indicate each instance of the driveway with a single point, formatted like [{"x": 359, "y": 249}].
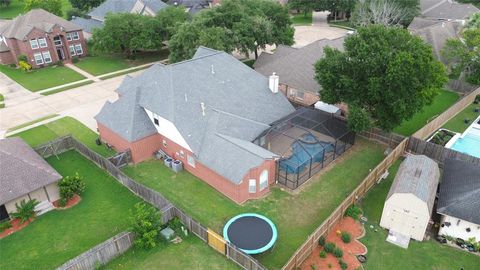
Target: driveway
[
  {"x": 13, "y": 92},
  {"x": 306, "y": 34}
]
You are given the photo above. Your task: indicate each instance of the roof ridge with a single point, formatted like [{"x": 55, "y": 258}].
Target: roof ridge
[
  {"x": 199, "y": 57},
  {"x": 27, "y": 162},
  {"x": 240, "y": 117},
  {"x": 229, "y": 138}
]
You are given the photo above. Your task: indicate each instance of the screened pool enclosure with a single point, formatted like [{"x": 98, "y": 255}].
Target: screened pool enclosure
[{"x": 306, "y": 141}]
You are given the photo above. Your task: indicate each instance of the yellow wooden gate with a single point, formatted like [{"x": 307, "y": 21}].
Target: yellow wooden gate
[{"x": 216, "y": 241}]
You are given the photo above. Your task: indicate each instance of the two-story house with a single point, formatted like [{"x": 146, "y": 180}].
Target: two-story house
[{"x": 42, "y": 37}]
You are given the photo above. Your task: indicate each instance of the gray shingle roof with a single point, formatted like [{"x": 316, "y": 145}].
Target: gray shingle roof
[
  {"x": 193, "y": 6},
  {"x": 124, "y": 6},
  {"x": 296, "y": 67},
  {"x": 419, "y": 176},
  {"x": 238, "y": 107},
  {"x": 22, "y": 170},
  {"x": 460, "y": 191},
  {"x": 22, "y": 25},
  {"x": 435, "y": 32},
  {"x": 4, "y": 47},
  {"x": 87, "y": 24},
  {"x": 447, "y": 9}
]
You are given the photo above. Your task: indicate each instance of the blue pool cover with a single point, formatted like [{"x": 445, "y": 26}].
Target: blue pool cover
[{"x": 469, "y": 144}]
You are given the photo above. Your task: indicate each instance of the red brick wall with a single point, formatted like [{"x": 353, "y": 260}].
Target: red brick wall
[
  {"x": 308, "y": 98},
  {"x": 144, "y": 149},
  {"x": 6, "y": 58}
]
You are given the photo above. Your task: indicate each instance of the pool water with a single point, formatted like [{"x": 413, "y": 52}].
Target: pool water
[{"x": 469, "y": 144}]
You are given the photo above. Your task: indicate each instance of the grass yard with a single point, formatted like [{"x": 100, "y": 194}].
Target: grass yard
[
  {"x": 16, "y": 7},
  {"x": 296, "y": 216},
  {"x": 67, "y": 125},
  {"x": 456, "y": 123},
  {"x": 302, "y": 19},
  {"x": 192, "y": 253},
  {"x": 442, "y": 101},
  {"x": 342, "y": 24},
  {"x": 419, "y": 255},
  {"x": 102, "y": 64},
  {"x": 60, "y": 235},
  {"x": 42, "y": 78}
]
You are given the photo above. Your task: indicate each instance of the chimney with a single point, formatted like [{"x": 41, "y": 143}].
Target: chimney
[{"x": 273, "y": 83}]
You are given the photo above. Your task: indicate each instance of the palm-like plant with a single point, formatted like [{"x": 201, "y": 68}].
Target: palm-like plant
[{"x": 26, "y": 210}]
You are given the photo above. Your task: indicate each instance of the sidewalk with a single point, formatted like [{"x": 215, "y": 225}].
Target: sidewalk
[{"x": 83, "y": 72}]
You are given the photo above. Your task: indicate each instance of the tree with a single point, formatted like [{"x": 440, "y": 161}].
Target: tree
[
  {"x": 52, "y": 6},
  {"x": 474, "y": 21},
  {"x": 304, "y": 6},
  {"x": 385, "y": 12},
  {"x": 26, "y": 210},
  {"x": 74, "y": 12},
  {"x": 145, "y": 224},
  {"x": 463, "y": 55},
  {"x": 127, "y": 33},
  {"x": 86, "y": 5},
  {"x": 170, "y": 19},
  {"x": 385, "y": 75},
  {"x": 5, "y": 3}
]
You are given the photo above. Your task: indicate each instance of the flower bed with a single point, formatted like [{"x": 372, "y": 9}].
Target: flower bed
[
  {"x": 442, "y": 137},
  {"x": 16, "y": 226}
]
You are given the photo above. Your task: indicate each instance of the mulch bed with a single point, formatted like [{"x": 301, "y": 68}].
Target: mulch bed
[
  {"x": 70, "y": 203},
  {"x": 350, "y": 250},
  {"x": 16, "y": 226}
]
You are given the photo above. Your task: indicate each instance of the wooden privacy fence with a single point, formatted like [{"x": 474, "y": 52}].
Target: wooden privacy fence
[
  {"x": 312, "y": 241},
  {"x": 438, "y": 152},
  {"x": 440, "y": 120},
  {"x": 378, "y": 135},
  {"x": 104, "y": 252},
  {"x": 100, "y": 254}
]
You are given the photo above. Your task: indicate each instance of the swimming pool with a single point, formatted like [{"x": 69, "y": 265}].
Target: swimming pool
[{"x": 469, "y": 142}]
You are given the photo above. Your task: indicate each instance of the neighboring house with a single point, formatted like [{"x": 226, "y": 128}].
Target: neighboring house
[
  {"x": 205, "y": 112},
  {"x": 25, "y": 175},
  {"x": 194, "y": 6},
  {"x": 43, "y": 37},
  {"x": 96, "y": 17},
  {"x": 435, "y": 32},
  {"x": 459, "y": 200},
  {"x": 296, "y": 69},
  {"x": 409, "y": 202},
  {"x": 447, "y": 10}
]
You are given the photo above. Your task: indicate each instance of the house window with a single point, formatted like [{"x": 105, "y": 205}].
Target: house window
[
  {"x": 75, "y": 36},
  {"x": 47, "y": 57},
  {"x": 34, "y": 44},
  {"x": 38, "y": 58},
  {"x": 155, "y": 121},
  {"x": 72, "y": 50},
  {"x": 78, "y": 49},
  {"x": 164, "y": 143},
  {"x": 300, "y": 95},
  {"x": 42, "y": 42},
  {"x": 69, "y": 36},
  {"x": 252, "y": 186},
  {"x": 191, "y": 161},
  {"x": 182, "y": 154},
  {"x": 57, "y": 41},
  {"x": 263, "y": 180}
]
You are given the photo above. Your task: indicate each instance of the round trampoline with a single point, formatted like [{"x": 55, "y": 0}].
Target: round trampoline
[{"x": 252, "y": 233}]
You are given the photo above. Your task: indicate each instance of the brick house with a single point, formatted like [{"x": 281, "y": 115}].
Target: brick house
[
  {"x": 296, "y": 69},
  {"x": 43, "y": 37},
  {"x": 205, "y": 112}
]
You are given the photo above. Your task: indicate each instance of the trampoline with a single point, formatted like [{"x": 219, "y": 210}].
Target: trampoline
[{"x": 252, "y": 233}]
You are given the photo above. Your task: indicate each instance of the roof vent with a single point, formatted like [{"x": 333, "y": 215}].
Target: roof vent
[
  {"x": 418, "y": 172},
  {"x": 202, "y": 105},
  {"x": 186, "y": 99}
]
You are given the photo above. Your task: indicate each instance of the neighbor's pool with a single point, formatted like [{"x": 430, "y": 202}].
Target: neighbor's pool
[{"x": 469, "y": 144}]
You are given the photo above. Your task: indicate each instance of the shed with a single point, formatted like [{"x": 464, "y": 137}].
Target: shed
[{"x": 409, "y": 202}]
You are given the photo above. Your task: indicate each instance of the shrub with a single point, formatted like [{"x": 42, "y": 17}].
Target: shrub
[
  {"x": 146, "y": 223},
  {"x": 74, "y": 12},
  {"x": 12, "y": 65},
  {"x": 321, "y": 241},
  {"x": 75, "y": 60},
  {"x": 59, "y": 63},
  {"x": 26, "y": 210},
  {"x": 5, "y": 225},
  {"x": 71, "y": 185},
  {"x": 24, "y": 66},
  {"x": 175, "y": 224},
  {"x": 353, "y": 211},
  {"x": 338, "y": 252},
  {"x": 329, "y": 247},
  {"x": 22, "y": 57},
  {"x": 346, "y": 237},
  {"x": 323, "y": 254},
  {"x": 313, "y": 267},
  {"x": 62, "y": 202},
  {"x": 343, "y": 264}
]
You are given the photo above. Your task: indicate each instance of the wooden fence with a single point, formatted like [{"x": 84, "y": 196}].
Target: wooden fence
[
  {"x": 378, "y": 135},
  {"x": 439, "y": 121},
  {"x": 438, "y": 152},
  {"x": 312, "y": 241},
  {"x": 95, "y": 256}
]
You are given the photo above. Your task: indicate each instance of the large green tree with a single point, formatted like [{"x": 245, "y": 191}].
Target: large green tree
[
  {"x": 86, "y": 5},
  {"x": 385, "y": 75},
  {"x": 304, "y": 6},
  {"x": 170, "y": 19},
  {"x": 127, "y": 33},
  {"x": 463, "y": 55},
  {"x": 52, "y": 6}
]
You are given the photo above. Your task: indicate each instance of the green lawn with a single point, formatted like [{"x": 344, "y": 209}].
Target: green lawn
[
  {"x": 427, "y": 255},
  {"x": 16, "y": 7},
  {"x": 102, "y": 64},
  {"x": 192, "y": 253},
  {"x": 341, "y": 24},
  {"x": 442, "y": 101},
  {"x": 42, "y": 78},
  {"x": 296, "y": 216},
  {"x": 2, "y": 99},
  {"x": 456, "y": 123},
  {"x": 67, "y": 125},
  {"x": 302, "y": 19},
  {"x": 60, "y": 235}
]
